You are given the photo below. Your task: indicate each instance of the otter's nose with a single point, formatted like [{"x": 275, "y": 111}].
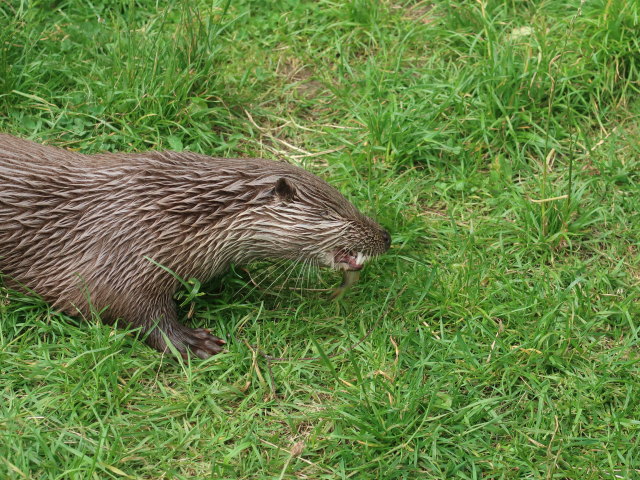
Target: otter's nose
[{"x": 386, "y": 237}]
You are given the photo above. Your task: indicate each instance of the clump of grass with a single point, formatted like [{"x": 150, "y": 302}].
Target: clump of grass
[{"x": 139, "y": 79}]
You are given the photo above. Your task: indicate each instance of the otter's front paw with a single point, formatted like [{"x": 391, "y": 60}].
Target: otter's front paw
[
  {"x": 197, "y": 340},
  {"x": 203, "y": 344}
]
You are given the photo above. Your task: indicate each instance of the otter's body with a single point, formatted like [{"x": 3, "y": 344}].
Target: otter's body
[{"x": 87, "y": 232}]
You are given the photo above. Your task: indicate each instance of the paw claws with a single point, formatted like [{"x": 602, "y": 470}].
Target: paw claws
[
  {"x": 202, "y": 343},
  {"x": 197, "y": 341}
]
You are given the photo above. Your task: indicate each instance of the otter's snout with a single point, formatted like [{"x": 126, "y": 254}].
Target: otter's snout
[{"x": 386, "y": 237}]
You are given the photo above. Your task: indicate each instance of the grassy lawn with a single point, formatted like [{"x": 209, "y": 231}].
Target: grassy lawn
[{"x": 496, "y": 140}]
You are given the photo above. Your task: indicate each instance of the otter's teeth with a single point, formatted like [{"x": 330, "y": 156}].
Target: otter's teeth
[{"x": 348, "y": 260}]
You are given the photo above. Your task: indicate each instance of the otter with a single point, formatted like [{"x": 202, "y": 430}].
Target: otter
[{"x": 102, "y": 233}]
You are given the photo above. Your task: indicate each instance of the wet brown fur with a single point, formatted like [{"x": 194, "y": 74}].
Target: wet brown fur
[{"x": 79, "y": 230}]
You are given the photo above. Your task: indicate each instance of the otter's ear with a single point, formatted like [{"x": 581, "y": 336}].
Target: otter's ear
[{"x": 284, "y": 189}]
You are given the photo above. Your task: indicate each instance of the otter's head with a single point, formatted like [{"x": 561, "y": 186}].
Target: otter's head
[{"x": 306, "y": 219}]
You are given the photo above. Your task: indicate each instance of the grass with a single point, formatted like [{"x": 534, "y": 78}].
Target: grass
[{"x": 497, "y": 140}]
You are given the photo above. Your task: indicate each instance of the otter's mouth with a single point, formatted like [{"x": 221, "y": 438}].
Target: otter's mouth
[{"x": 348, "y": 260}]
